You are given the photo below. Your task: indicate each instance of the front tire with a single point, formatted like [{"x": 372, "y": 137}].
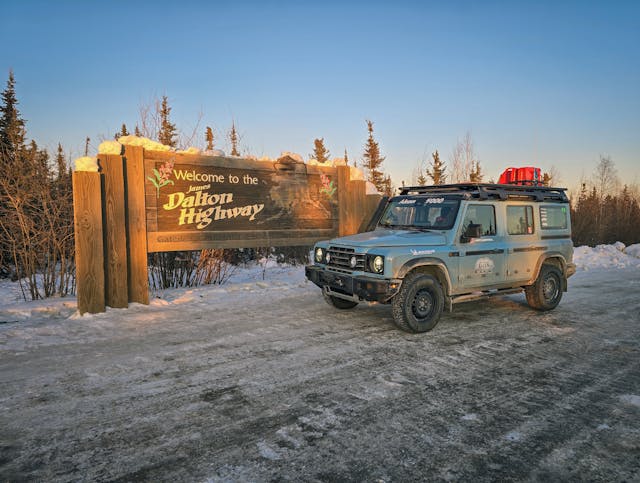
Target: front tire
[
  {"x": 339, "y": 303},
  {"x": 546, "y": 292},
  {"x": 418, "y": 305}
]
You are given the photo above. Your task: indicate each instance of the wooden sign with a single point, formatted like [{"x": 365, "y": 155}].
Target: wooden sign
[
  {"x": 195, "y": 202},
  {"x": 148, "y": 201}
]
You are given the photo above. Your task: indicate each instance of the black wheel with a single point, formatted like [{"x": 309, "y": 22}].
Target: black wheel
[
  {"x": 418, "y": 305},
  {"x": 339, "y": 303},
  {"x": 546, "y": 292}
]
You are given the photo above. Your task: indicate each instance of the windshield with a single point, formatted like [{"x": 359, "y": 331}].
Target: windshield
[{"x": 437, "y": 213}]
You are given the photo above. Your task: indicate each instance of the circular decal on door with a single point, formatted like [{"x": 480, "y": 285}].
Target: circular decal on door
[{"x": 484, "y": 265}]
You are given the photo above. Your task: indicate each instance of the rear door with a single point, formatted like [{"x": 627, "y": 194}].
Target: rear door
[{"x": 524, "y": 247}]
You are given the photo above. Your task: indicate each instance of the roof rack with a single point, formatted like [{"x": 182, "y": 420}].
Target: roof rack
[{"x": 485, "y": 191}]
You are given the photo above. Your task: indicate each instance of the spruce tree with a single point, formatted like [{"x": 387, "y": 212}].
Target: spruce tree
[
  {"x": 320, "y": 153},
  {"x": 422, "y": 179},
  {"x": 12, "y": 126},
  {"x": 387, "y": 187},
  {"x": 136, "y": 132},
  {"x": 123, "y": 132},
  {"x": 346, "y": 159},
  {"x": 436, "y": 173},
  {"x": 476, "y": 174},
  {"x": 373, "y": 161},
  {"x": 167, "y": 132},
  {"x": 233, "y": 137},
  {"x": 86, "y": 146},
  {"x": 61, "y": 163},
  {"x": 209, "y": 138}
]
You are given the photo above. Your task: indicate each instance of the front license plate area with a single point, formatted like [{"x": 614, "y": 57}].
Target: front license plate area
[{"x": 344, "y": 283}]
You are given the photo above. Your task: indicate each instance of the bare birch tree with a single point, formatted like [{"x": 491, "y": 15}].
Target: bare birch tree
[{"x": 463, "y": 159}]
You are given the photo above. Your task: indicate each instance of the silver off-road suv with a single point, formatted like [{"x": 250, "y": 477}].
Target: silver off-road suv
[{"x": 434, "y": 246}]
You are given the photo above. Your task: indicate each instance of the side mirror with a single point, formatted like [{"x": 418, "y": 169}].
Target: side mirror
[{"x": 474, "y": 230}]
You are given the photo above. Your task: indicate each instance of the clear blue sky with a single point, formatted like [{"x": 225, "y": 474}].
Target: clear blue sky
[{"x": 535, "y": 83}]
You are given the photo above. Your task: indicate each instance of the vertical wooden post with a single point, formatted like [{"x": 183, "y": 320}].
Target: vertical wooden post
[
  {"x": 344, "y": 199},
  {"x": 138, "y": 279},
  {"x": 358, "y": 188},
  {"x": 116, "y": 291},
  {"x": 87, "y": 217}
]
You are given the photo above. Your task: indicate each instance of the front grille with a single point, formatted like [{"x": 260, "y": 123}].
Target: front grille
[{"x": 341, "y": 259}]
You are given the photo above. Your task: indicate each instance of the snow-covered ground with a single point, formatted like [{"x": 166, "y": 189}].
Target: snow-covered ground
[
  {"x": 261, "y": 380},
  {"x": 257, "y": 277}
]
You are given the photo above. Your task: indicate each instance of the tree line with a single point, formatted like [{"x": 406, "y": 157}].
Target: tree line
[
  {"x": 36, "y": 205},
  {"x": 36, "y": 209}
]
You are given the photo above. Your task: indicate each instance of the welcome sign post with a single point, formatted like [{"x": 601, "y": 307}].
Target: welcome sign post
[{"x": 166, "y": 201}]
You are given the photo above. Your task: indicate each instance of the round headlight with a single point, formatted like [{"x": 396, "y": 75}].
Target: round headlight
[
  {"x": 318, "y": 254},
  {"x": 378, "y": 264},
  {"x": 353, "y": 261}
]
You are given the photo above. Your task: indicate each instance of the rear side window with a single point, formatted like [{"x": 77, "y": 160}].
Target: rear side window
[
  {"x": 520, "y": 220},
  {"x": 553, "y": 217},
  {"x": 483, "y": 215}
]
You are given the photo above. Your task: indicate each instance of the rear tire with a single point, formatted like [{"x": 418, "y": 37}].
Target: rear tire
[
  {"x": 418, "y": 305},
  {"x": 546, "y": 292},
  {"x": 339, "y": 303}
]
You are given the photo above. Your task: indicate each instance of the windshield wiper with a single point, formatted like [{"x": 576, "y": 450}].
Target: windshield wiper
[
  {"x": 405, "y": 227},
  {"x": 418, "y": 228}
]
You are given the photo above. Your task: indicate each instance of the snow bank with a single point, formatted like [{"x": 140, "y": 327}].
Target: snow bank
[
  {"x": 606, "y": 257},
  {"x": 86, "y": 163},
  {"x": 633, "y": 250}
]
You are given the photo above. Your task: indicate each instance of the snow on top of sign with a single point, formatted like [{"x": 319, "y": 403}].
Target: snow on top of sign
[
  {"x": 110, "y": 147},
  {"x": 294, "y": 156},
  {"x": 371, "y": 189},
  {"x": 356, "y": 173},
  {"x": 338, "y": 162},
  {"x": 213, "y": 152},
  {"x": 190, "y": 150},
  {"x": 144, "y": 142},
  {"x": 86, "y": 163}
]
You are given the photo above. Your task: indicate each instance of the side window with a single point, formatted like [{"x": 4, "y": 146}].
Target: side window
[
  {"x": 553, "y": 217},
  {"x": 519, "y": 220},
  {"x": 484, "y": 215}
]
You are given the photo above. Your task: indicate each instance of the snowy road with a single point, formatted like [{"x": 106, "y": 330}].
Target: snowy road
[{"x": 269, "y": 383}]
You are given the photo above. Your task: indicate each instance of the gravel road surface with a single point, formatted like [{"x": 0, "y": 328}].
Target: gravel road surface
[{"x": 272, "y": 384}]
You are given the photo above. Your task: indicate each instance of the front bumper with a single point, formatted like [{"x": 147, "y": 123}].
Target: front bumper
[{"x": 349, "y": 287}]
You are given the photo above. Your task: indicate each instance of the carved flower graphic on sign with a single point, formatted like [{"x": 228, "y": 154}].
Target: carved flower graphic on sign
[
  {"x": 162, "y": 176},
  {"x": 328, "y": 186}
]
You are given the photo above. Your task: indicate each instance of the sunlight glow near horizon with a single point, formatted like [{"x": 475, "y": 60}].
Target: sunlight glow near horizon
[{"x": 546, "y": 84}]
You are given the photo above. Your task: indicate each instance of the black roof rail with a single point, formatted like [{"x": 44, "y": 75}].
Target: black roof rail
[{"x": 485, "y": 191}]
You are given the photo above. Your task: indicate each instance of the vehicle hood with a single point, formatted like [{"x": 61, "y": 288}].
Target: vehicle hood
[{"x": 392, "y": 238}]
